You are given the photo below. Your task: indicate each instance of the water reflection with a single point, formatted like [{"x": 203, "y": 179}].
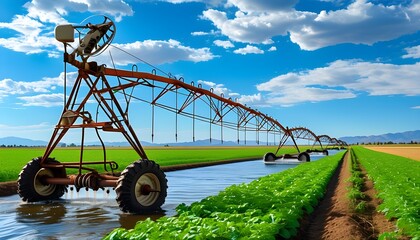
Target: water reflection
[
  {"x": 91, "y": 215},
  {"x": 40, "y": 213}
]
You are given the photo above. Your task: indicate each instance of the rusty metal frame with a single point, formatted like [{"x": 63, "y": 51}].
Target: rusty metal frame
[{"x": 100, "y": 88}]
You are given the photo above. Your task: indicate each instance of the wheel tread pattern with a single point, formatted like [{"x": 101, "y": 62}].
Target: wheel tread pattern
[
  {"x": 126, "y": 183},
  {"x": 26, "y": 189}
]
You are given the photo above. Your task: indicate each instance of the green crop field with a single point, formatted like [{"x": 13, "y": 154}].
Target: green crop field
[
  {"x": 397, "y": 180},
  {"x": 267, "y": 208},
  {"x": 13, "y": 159}
]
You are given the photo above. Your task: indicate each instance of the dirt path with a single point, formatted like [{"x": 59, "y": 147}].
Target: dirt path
[
  {"x": 333, "y": 218},
  {"x": 8, "y": 188}
]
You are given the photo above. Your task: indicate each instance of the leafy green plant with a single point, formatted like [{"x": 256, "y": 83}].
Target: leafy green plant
[
  {"x": 388, "y": 236},
  {"x": 355, "y": 193},
  {"x": 267, "y": 208},
  {"x": 361, "y": 207},
  {"x": 397, "y": 180}
]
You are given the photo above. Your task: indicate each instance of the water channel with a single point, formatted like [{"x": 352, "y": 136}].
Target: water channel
[{"x": 91, "y": 215}]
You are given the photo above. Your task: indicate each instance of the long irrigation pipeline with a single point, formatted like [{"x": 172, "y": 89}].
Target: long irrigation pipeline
[
  {"x": 224, "y": 112},
  {"x": 218, "y": 105}
]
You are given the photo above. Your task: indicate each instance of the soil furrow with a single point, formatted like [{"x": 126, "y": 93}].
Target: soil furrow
[{"x": 332, "y": 219}]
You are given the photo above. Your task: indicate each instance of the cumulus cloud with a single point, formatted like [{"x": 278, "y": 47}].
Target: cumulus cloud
[
  {"x": 34, "y": 31},
  {"x": 209, "y": 33},
  {"x": 251, "y": 28},
  {"x": 272, "y": 49},
  {"x": 29, "y": 38},
  {"x": 43, "y": 100},
  {"x": 360, "y": 22},
  {"x": 262, "y": 5},
  {"x": 255, "y": 100},
  {"x": 340, "y": 80},
  {"x": 249, "y": 50},
  {"x": 10, "y": 87},
  {"x": 218, "y": 89},
  {"x": 412, "y": 52},
  {"x": 155, "y": 52},
  {"x": 224, "y": 44},
  {"x": 207, "y": 2},
  {"x": 53, "y": 11}
]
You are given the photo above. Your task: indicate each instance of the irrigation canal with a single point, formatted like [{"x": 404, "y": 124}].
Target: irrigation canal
[{"x": 91, "y": 215}]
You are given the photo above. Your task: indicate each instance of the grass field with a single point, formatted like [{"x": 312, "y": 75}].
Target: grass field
[{"x": 12, "y": 160}]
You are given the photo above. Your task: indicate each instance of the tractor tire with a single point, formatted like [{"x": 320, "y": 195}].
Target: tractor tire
[
  {"x": 269, "y": 157},
  {"x": 304, "y": 157},
  {"x": 31, "y": 187},
  {"x": 141, "y": 188}
]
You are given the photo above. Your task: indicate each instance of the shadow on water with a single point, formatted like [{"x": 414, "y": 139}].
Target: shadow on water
[
  {"x": 91, "y": 215},
  {"x": 86, "y": 218},
  {"x": 41, "y": 213}
]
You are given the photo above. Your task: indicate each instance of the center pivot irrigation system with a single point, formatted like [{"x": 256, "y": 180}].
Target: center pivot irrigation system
[{"x": 99, "y": 101}]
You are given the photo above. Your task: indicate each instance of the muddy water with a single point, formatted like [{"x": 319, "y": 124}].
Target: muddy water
[{"x": 91, "y": 215}]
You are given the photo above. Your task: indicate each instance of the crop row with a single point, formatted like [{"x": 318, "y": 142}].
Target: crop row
[
  {"x": 355, "y": 194},
  {"x": 263, "y": 209},
  {"x": 397, "y": 180}
]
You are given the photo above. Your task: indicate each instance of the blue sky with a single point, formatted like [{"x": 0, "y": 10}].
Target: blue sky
[{"x": 342, "y": 68}]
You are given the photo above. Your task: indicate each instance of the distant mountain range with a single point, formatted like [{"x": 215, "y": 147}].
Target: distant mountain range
[
  {"x": 17, "y": 141},
  {"x": 403, "y": 137},
  {"x": 21, "y": 142}
]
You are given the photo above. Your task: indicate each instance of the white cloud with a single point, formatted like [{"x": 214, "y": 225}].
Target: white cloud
[
  {"x": 201, "y": 33},
  {"x": 248, "y": 50},
  {"x": 34, "y": 31},
  {"x": 11, "y": 87},
  {"x": 412, "y": 52},
  {"x": 207, "y": 2},
  {"x": 342, "y": 79},
  {"x": 360, "y": 22},
  {"x": 29, "y": 38},
  {"x": 218, "y": 89},
  {"x": 251, "y": 28},
  {"x": 224, "y": 44},
  {"x": 255, "y": 100},
  {"x": 272, "y": 49},
  {"x": 43, "y": 100},
  {"x": 155, "y": 52},
  {"x": 53, "y": 11},
  {"x": 262, "y": 5},
  {"x": 416, "y": 107},
  {"x": 294, "y": 96}
]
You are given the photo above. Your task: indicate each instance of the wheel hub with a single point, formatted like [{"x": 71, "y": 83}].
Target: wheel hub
[
  {"x": 147, "y": 189},
  {"x": 40, "y": 186}
]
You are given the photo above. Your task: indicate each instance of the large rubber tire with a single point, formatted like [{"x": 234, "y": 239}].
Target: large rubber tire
[
  {"x": 304, "y": 157},
  {"x": 269, "y": 157},
  {"x": 141, "y": 188},
  {"x": 30, "y": 185}
]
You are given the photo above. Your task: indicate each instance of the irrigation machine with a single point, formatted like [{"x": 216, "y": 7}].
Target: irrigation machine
[{"x": 142, "y": 186}]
